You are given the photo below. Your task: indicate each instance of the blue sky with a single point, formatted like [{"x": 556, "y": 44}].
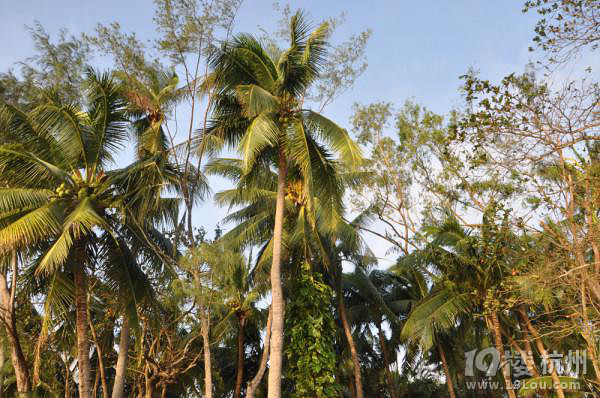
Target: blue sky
[{"x": 418, "y": 49}]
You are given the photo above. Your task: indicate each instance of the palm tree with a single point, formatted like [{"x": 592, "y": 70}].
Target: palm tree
[
  {"x": 423, "y": 324},
  {"x": 62, "y": 199},
  {"x": 323, "y": 245},
  {"x": 374, "y": 297},
  {"x": 259, "y": 109},
  {"x": 150, "y": 97},
  {"x": 240, "y": 295},
  {"x": 468, "y": 269}
]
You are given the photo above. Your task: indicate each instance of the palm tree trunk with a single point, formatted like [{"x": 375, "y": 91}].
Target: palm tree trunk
[
  {"x": 386, "y": 362},
  {"x": 240, "y": 358},
  {"x": 449, "y": 382},
  {"x": 83, "y": 344},
  {"x": 252, "y": 385},
  {"x": 278, "y": 305},
  {"x": 500, "y": 347},
  {"x": 119, "y": 384},
  {"x": 7, "y": 297},
  {"x": 350, "y": 340},
  {"x": 207, "y": 360},
  {"x": 540, "y": 346}
]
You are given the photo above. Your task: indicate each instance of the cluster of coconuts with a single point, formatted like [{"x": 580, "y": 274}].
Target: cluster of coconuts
[
  {"x": 63, "y": 190},
  {"x": 284, "y": 120},
  {"x": 84, "y": 189}
]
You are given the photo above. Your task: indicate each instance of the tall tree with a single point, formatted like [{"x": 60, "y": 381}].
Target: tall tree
[
  {"x": 259, "y": 109},
  {"x": 63, "y": 199}
]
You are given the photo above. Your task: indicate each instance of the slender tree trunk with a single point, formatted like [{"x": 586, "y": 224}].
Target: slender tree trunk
[
  {"x": 67, "y": 380},
  {"x": 2, "y": 361},
  {"x": 121, "y": 370},
  {"x": 100, "y": 374},
  {"x": 83, "y": 344},
  {"x": 500, "y": 347},
  {"x": 352, "y": 387},
  {"x": 540, "y": 346},
  {"x": 527, "y": 359},
  {"x": 529, "y": 348},
  {"x": 278, "y": 305},
  {"x": 588, "y": 334},
  {"x": 7, "y": 314},
  {"x": 449, "y": 382},
  {"x": 386, "y": 362},
  {"x": 95, "y": 389},
  {"x": 240, "y": 358},
  {"x": 207, "y": 360},
  {"x": 149, "y": 387},
  {"x": 351, "y": 345},
  {"x": 253, "y": 384},
  {"x": 163, "y": 392}
]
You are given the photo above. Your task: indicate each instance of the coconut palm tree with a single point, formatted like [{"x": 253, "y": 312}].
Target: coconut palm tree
[
  {"x": 322, "y": 246},
  {"x": 467, "y": 270},
  {"x": 423, "y": 328},
  {"x": 62, "y": 204},
  {"x": 374, "y": 297},
  {"x": 240, "y": 293},
  {"x": 259, "y": 109},
  {"x": 150, "y": 97}
]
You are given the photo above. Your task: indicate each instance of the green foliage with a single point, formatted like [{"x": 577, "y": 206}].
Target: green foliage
[
  {"x": 57, "y": 66},
  {"x": 311, "y": 338}
]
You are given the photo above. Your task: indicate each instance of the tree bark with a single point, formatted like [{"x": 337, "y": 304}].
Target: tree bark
[
  {"x": 278, "y": 304},
  {"x": 207, "y": 360},
  {"x": 500, "y": 347},
  {"x": 350, "y": 340},
  {"x": 386, "y": 362},
  {"x": 121, "y": 369},
  {"x": 449, "y": 382},
  {"x": 253, "y": 384},
  {"x": 240, "y": 358},
  {"x": 8, "y": 297},
  {"x": 83, "y": 344}
]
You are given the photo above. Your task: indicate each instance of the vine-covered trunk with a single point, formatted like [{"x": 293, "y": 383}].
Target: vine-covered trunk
[
  {"x": 253, "y": 384},
  {"x": 278, "y": 304},
  {"x": 207, "y": 359},
  {"x": 449, "y": 382},
  {"x": 7, "y": 296},
  {"x": 83, "y": 344},
  {"x": 351, "y": 345},
  {"x": 239, "y": 377},
  {"x": 121, "y": 369},
  {"x": 496, "y": 332}
]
